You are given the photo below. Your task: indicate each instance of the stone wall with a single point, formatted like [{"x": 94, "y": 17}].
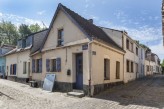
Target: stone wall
[{"x": 20, "y": 80}]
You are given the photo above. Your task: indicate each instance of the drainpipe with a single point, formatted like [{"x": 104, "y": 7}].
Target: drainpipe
[
  {"x": 123, "y": 67},
  {"x": 90, "y": 64}
]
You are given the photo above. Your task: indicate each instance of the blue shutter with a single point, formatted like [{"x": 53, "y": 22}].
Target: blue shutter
[
  {"x": 58, "y": 64},
  {"x": 47, "y": 65},
  {"x": 33, "y": 65},
  {"x": 40, "y": 65},
  {"x": 15, "y": 69}
]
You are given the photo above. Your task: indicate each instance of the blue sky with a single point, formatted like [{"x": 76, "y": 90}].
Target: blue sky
[{"x": 140, "y": 18}]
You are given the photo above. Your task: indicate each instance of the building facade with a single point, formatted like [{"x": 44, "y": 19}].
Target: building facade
[
  {"x": 18, "y": 61},
  {"x": 81, "y": 55},
  {"x": 131, "y": 57},
  {"x": 141, "y": 62},
  {"x": 152, "y": 64},
  {"x": 3, "y": 50}
]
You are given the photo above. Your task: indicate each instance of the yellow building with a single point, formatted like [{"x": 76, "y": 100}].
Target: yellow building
[{"x": 80, "y": 53}]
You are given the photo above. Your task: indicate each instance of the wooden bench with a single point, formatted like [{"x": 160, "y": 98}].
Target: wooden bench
[{"x": 33, "y": 83}]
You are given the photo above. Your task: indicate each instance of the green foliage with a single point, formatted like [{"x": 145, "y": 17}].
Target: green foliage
[
  {"x": 35, "y": 28},
  {"x": 24, "y": 30},
  {"x": 10, "y": 33},
  {"x": 162, "y": 64}
]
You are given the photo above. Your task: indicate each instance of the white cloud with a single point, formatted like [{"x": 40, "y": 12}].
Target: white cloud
[
  {"x": 1, "y": 14},
  {"x": 17, "y": 20},
  {"x": 151, "y": 36},
  {"x": 144, "y": 33},
  {"x": 41, "y": 12}
]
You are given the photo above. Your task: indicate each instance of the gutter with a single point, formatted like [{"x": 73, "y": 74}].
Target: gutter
[{"x": 90, "y": 65}]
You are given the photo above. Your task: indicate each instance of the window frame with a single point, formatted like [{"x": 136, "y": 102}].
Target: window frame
[
  {"x": 117, "y": 71},
  {"x": 24, "y": 67},
  {"x": 137, "y": 51},
  {"x": 106, "y": 69},
  {"x": 127, "y": 66},
  {"x": 132, "y": 66},
  {"x": 137, "y": 66},
  {"x": 60, "y": 40},
  {"x": 127, "y": 44},
  {"x": 131, "y": 47},
  {"x": 53, "y": 65}
]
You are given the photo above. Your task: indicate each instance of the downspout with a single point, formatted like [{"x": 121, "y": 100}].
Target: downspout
[
  {"x": 90, "y": 65},
  {"x": 123, "y": 55},
  {"x": 123, "y": 66}
]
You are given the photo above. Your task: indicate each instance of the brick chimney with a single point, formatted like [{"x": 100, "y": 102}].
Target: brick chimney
[{"x": 90, "y": 20}]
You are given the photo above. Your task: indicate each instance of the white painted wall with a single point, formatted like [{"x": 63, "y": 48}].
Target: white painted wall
[
  {"x": 18, "y": 58},
  {"x": 115, "y": 35},
  {"x": 98, "y": 65}
]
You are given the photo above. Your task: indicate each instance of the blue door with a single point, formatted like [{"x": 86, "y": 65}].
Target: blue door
[{"x": 79, "y": 71}]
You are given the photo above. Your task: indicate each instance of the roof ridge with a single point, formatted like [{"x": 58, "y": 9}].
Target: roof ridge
[
  {"x": 88, "y": 28},
  {"x": 34, "y": 33},
  {"x": 99, "y": 33}
]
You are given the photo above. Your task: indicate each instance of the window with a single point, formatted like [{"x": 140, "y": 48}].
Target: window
[
  {"x": 137, "y": 51},
  {"x": 127, "y": 65},
  {"x": 127, "y": 44},
  {"x": 117, "y": 70},
  {"x": 60, "y": 37},
  {"x": 132, "y": 67},
  {"x": 53, "y": 65},
  {"x": 37, "y": 65},
  {"x": 147, "y": 68},
  {"x": 7, "y": 69},
  {"x": 136, "y": 68},
  {"x": 3, "y": 69},
  {"x": 131, "y": 46},
  {"x": 28, "y": 67},
  {"x": 106, "y": 69},
  {"x": 24, "y": 68},
  {"x": 141, "y": 54},
  {"x": 13, "y": 68}
]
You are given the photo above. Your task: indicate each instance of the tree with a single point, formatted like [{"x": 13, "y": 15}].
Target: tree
[
  {"x": 8, "y": 33},
  {"x": 162, "y": 65},
  {"x": 24, "y": 30},
  {"x": 35, "y": 28}
]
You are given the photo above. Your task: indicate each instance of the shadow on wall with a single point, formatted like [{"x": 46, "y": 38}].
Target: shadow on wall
[{"x": 148, "y": 91}]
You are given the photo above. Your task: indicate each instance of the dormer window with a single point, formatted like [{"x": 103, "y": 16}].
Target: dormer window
[{"x": 60, "y": 37}]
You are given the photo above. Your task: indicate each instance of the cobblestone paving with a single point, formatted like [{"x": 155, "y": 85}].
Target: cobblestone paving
[{"x": 145, "y": 93}]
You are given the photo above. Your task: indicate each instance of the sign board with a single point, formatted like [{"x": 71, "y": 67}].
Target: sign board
[
  {"x": 49, "y": 82},
  {"x": 84, "y": 47}
]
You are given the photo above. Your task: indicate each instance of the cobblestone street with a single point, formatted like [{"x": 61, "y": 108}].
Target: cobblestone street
[{"x": 143, "y": 93}]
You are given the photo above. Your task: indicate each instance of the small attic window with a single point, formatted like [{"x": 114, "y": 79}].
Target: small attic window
[{"x": 60, "y": 37}]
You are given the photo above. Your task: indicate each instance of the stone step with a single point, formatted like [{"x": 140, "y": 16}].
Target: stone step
[
  {"x": 76, "y": 90},
  {"x": 76, "y": 94}
]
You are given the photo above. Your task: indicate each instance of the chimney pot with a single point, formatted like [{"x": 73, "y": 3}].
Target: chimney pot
[{"x": 91, "y": 21}]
